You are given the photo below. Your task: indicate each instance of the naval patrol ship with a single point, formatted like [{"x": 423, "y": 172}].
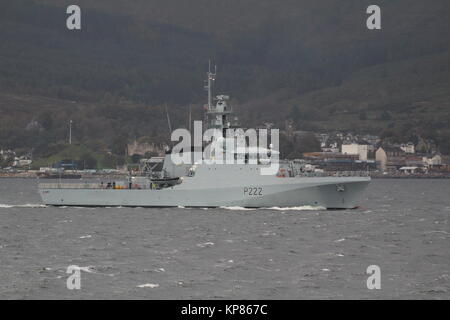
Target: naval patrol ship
[{"x": 242, "y": 184}]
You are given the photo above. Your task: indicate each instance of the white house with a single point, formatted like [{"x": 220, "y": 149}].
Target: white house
[
  {"x": 409, "y": 170},
  {"x": 5, "y": 154},
  {"x": 21, "y": 162},
  {"x": 408, "y": 147},
  {"x": 435, "y": 160},
  {"x": 356, "y": 149},
  {"x": 332, "y": 147}
]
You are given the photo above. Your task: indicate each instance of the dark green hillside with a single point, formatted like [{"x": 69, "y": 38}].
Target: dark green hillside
[
  {"x": 404, "y": 98},
  {"x": 313, "y": 62}
]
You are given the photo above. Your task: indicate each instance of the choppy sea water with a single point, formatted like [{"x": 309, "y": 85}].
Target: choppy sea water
[{"x": 232, "y": 253}]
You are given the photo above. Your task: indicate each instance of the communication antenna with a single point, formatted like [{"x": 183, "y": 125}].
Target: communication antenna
[
  {"x": 70, "y": 132},
  {"x": 190, "y": 117},
  {"x": 168, "y": 118},
  {"x": 168, "y": 121},
  {"x": 211, "y": 79}
]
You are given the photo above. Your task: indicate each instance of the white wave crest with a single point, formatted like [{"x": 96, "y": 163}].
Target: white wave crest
[
  {"x": 301, "y": 208},
  {"x": 206, "y": 244},
  {"x": 237, "y": 208},
  {"x": 27, "y": 205},
  {"x": 148, "y": 285},
  {"x": 88, "y": 269}
]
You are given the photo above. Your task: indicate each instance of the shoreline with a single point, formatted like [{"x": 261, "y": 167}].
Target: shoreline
[
  {"x": 410, "y": 177},
  {"x": 83, "y": 176}
]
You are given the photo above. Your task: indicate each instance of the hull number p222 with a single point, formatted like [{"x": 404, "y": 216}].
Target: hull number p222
[{"x": 253, "y": 191}]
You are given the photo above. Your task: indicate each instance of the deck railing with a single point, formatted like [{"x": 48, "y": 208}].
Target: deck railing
[
  {"x": 63, "y": 185},
  {"x": 335, "y": 174}
]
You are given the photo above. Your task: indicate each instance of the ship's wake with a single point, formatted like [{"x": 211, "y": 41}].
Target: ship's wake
[
  {"x": 299, "y": 208},
  {"x": 236, "y": 208},
  {"x": 233, "y": 208},
  {"x": 27, "y": 205}
]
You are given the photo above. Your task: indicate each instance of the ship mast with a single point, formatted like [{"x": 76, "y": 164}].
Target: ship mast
[
  {"x": 208, "y": 87},
  {"x": 217, "y": 116}
]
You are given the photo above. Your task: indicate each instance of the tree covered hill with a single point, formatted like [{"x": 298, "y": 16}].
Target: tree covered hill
[{"x": 313, "y": 62}]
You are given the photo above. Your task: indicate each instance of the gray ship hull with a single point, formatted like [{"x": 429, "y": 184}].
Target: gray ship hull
[{"x": 259, "y": 191}]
